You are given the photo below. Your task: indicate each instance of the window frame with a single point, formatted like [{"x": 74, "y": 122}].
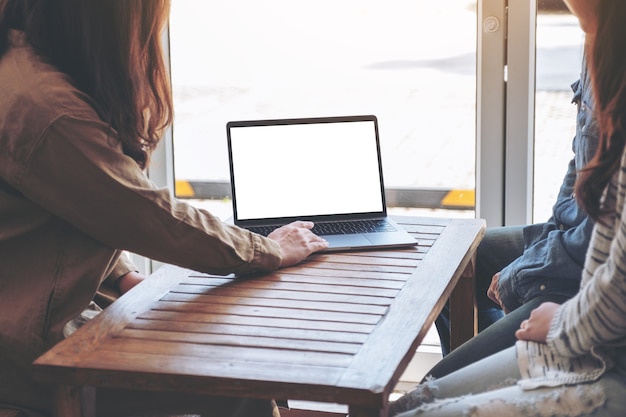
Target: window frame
[{"x": 505, "y": 111}]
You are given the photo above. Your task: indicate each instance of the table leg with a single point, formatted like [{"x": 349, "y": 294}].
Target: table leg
[
  {"x": 463, "y": 324},
  {"x": 71, "y": 401},
  {"x": 68, "y": 401}
]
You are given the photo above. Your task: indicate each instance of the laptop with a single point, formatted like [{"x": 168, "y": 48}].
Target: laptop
[{"x": 325, "y": 169}]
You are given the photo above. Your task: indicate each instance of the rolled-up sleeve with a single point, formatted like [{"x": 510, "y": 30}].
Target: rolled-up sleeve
[{"x": 122, "y": 267}]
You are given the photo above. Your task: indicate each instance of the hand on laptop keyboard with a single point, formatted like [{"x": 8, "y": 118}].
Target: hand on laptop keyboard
[
  {"x": 297, "y": 241},
  {"x": 337, "y": 228},
  {"x": 351, "y": 227}
]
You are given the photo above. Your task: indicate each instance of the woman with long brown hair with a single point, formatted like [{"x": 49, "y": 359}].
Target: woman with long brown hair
[
  {"x": 570, "y": 359},
  {"x": 84, "y": 99}
]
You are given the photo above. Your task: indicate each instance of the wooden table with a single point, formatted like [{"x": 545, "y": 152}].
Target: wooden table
[{"x": 339, "y": 328}]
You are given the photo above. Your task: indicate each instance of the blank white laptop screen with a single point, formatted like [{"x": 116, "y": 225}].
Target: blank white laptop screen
[{"x": 309, "y": 169}]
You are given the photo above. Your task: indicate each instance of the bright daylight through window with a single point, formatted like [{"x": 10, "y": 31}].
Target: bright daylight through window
[
  {"x": 559, "y": 55},
  {"x": 411, "y": 63}
]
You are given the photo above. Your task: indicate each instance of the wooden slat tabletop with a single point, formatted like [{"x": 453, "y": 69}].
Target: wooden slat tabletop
[{"x": 337, "y": 328}]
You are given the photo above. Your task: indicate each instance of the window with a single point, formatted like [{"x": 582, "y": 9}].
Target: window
[
  {"x": 559, "y": 55},
  {"x": 411, "y": 63}
]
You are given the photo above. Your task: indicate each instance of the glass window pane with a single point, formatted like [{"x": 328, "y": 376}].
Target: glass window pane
[
  {"x": 409, "y": 62},
  {"x": 559, "y": 55}
]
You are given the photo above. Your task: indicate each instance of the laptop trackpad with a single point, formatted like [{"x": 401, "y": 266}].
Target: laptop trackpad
[{"x": 347, "y": 241}]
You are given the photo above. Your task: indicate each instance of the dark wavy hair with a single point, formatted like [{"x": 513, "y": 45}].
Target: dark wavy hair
[
  {"x": 112, "y": 50},
  {"x": 608, "y": 74}
]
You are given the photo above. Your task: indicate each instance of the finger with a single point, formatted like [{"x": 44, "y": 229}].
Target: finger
[
  {"x": 493, "y": 295},
  {"x": 303, "y": 223},
  {"x": 317, "y": 240},
  {"x": 319, "y": 245}
]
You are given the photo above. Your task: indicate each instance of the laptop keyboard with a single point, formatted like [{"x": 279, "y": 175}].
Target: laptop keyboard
[{"x": 337, "y": 228}]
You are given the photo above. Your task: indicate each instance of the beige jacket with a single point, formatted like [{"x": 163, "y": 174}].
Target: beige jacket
[{"x": 70, "y": 200}]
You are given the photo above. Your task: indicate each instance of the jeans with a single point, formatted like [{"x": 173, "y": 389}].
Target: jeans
[
  {"x": 499, "y": 247},
  {"x": 493, "y": 339},
  {"x": 488, "y": 388}
]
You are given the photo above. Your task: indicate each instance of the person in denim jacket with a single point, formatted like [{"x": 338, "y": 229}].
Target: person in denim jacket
[
  {"x": 554, "y": 251},
  {"x": 519, "y": 267}
]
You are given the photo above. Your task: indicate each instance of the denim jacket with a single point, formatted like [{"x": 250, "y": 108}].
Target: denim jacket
[{"x": 555, "y": 250}]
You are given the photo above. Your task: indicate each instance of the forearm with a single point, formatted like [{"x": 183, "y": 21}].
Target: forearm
[
  {"x": 595, "y": 316},
  {"x": 127, "y": 281},
  {"x": 144, "y": 220}
]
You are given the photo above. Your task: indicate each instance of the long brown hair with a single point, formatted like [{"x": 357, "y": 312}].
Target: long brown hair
[
  {"x": 608, "y": 75},
  {"x": 112, "y": 51}
]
